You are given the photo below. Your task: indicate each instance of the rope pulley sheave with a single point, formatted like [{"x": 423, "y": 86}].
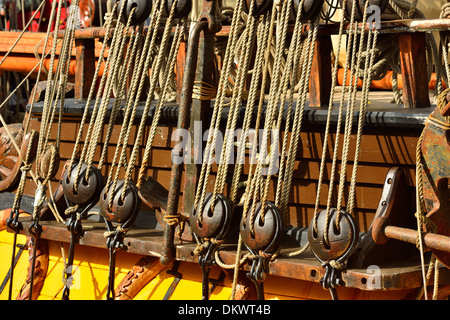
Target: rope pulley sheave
[
  {"x": 81, "y": 190},
  {"x": 261, "y": 236},
  {"x": 210, "y": 227},
  {"x": 332, "y": 242},
  {"x": 85, "y": 191},
  {"x": 120, "y": 209},
  {"x": 141, "y": 13}
]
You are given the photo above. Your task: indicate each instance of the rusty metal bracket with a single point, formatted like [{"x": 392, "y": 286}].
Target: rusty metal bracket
[
  {"x": 395, "y": 208},
  {"x": 196, "y": 68},
  {"x": 436, "y": 174}
]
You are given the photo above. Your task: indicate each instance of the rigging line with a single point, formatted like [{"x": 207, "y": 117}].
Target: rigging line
[
  {"x": 172, "y": 58},
  {"x": 244, "y": 62},
  {"x": 123, "y": 74},
  {"x": 349, "y": 121},
  {"x": 117, "y": 47},
  {"x": 253, "y": 156},
  {"x": 282, "y": 165},
  {"x": 263, "y": 29},
  {"x": 91, "y": 92},
  {"x": 67, "y": 57},
  {"x": 144, "y": 59},
  {"x": 137, "y": 84},
  {"x": 23, "y": 31},
  {"x": 266, "y": 39},
  {"x": 130, "y": 57},
  {"x": 217, "y": 109},
  {"x": 62, "y": 75},
  {"x": 94, "y": 118},
  {"x": 128, "y": 109},
  {"x": 217, "y": 112},
  {"x": 419, "y": 208},
  {"x": 47, "y": 36},
  {"x": 50, "y": 89},
  {"x": 14, "y": 215},
  {"x": 330, "y": 108},
  {"x": 2, "y": 120},
  {"x": 271, "y": 109},
  {"x": 252, "y": 191},
  {"x": 300, "y": 107},
  {"x": 293, "y": 61},
  {"x": 150, "y": 95},
  {"x": 363, "y": 107},
  {"x": 351, "y": 32}
]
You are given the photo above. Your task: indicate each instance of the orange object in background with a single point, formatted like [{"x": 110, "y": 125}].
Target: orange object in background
[
  {"x": 386, "y": 82},
  {"x": 4, "y": 214}
]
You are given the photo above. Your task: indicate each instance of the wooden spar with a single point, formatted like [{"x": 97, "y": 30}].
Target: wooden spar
[{"x": 431, "y": 240}]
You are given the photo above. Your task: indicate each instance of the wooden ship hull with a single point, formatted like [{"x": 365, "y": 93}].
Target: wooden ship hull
[{"x": 385, "y": 263}]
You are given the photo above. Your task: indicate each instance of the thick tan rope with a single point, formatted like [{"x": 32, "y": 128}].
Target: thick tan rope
[
  {"x": 362, "y": 113},
  {"x": 172, "y": 58},
  {"x": 108, "y": 26},
  {"x": 349, "y": 61},
  {"x": 271, "y": 110},
  {"x": 217, "y": 112},
  {"x": 298, "y": 119},
  {"x": 330, "y": 108},
  {"x": 249, "y": 37},
  {"x": 266, "y": 33},
  {"x": 117, "y": 47},
  {"x": 136, "y": 87},
  {"x": 150, "y": 96}
]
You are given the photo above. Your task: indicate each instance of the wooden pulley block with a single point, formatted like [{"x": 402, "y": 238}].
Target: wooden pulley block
[
  {"x": 215, "y": 222},
  {"x": 341, "y": 243},
  {"x": 360, "y": 4},
  {"x": 260, "y": 7},
  {"x": 182, "y": 9},
  {"x": 142, "y": 12},
  {"x": 88, "y": 190},
  {"x": 124, "y": 209},
  {"x": 49, "y": 162},
  {"x": 267, "y": 232},
  {"x": 310, "y": 10}
]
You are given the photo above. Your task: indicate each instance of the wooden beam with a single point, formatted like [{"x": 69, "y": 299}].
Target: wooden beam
[
  {"x": 85, "y": 67},
  {"x": 320, "y": 77},
  {"x": 414, "y": 70}
]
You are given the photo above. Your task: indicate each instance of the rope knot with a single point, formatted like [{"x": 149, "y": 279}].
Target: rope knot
[
  {"x": 71, "y": 210},
  {"x": 336, "y": 264},
  {"x": 200, "y": 248},
  {"x": 172, "y": 219},
  {"x": 25, "y": 168},
  {"x": 119, "y": 228}
]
